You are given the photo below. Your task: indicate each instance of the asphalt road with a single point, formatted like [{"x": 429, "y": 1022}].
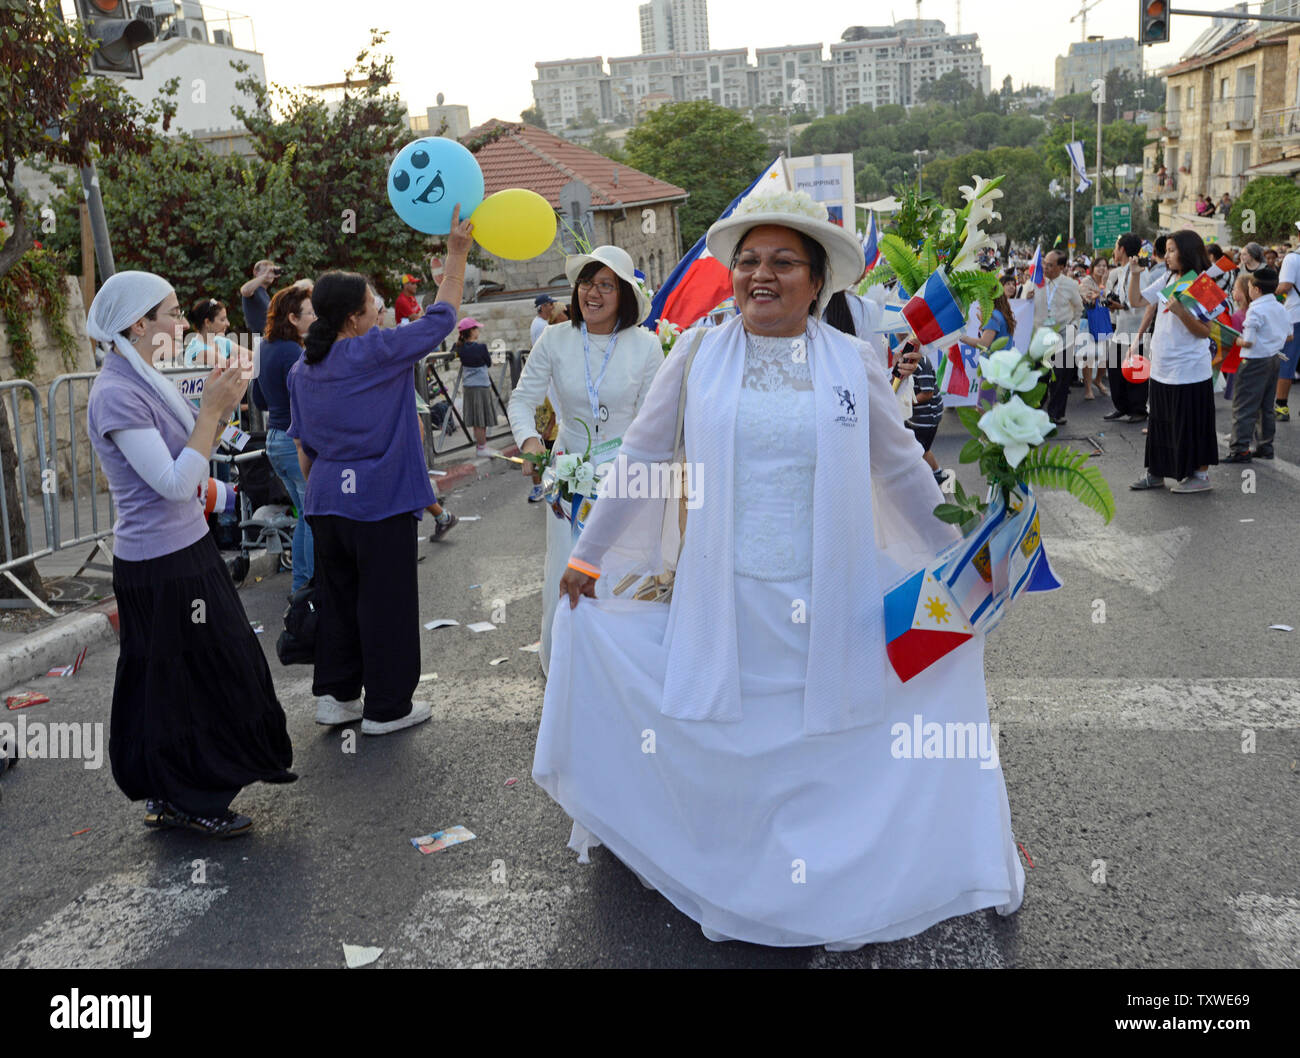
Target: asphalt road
[{"x": 1158, "y": 747}]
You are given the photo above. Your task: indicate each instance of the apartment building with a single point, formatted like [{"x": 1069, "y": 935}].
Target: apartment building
[
  {"x": 871, "y": 66},
  {"x": 674, "y": 25},
  {"x": 1232, "y": 112},
  {"x": 1087, "y": 60}
]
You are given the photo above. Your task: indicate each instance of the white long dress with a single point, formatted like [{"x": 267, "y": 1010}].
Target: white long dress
[
  {"x": 754, "y": 829},
  {"x": 555, "y": 368}
]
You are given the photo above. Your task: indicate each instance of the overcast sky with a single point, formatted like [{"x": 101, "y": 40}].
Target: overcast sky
[{"x": 482, "y": 54}]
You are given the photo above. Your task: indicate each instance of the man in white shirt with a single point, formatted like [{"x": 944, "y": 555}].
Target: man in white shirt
[
  {"x": 1058, "y": 306},
  {"x": 1288, "y": 281},
  {"x": 1267, "y": 330},
  {"x": 1130, "y": 399}
]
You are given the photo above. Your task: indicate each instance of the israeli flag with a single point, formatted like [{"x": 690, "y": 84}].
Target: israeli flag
[{"x": 1075, "y": 151}]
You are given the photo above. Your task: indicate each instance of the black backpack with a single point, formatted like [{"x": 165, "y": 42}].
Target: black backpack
[{"x": 297, "y": 643}]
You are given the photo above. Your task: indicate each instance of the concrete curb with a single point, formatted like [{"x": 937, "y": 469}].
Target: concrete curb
[
  {"x": 57, "y": 644},
  {"x": 460, "y": 473}
]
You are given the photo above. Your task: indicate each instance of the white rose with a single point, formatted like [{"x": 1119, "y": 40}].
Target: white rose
[
  {"x": 584, "y": 478},
  {"x": 1009, "y": 369},
  {"x": 566, "y": 466},
  {"x": 1044, "y": 346},
  {"x": 1016, "y": 427}
]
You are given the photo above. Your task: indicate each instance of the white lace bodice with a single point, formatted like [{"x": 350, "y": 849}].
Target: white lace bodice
[{"x": 776, "y": 455}]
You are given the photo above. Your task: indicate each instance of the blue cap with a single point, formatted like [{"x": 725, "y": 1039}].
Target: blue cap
[{"x": 543, "y": 299}]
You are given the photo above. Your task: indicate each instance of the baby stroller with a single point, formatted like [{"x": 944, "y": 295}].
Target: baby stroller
[{"x": 266, "y": 518}]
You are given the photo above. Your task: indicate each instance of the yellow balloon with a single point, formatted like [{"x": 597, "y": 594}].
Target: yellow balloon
[{"x": 515, "y": 224}]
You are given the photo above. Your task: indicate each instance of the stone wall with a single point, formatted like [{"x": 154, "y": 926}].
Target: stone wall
[{"x": 49, "y": 365}]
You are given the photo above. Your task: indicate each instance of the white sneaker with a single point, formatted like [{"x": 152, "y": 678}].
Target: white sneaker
[
  {"x": 330, "y": 711},
  {"x": 1193, "y": 484},
  {"x": 420, "y": 712},
  {"x": 484, "y": 450}
]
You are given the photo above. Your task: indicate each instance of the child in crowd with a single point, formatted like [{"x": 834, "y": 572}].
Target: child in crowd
[
  {"x": 927, "y": 410},
  {"x": 1267, "y": 328},
  {"x": 1227, "y": 362},
  {"x": 477, "y": 402}
]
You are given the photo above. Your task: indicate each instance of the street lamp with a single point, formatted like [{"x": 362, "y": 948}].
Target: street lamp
[{"x": 917, "y": 155}]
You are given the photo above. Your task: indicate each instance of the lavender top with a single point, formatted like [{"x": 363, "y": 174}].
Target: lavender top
[
  {"x": 148, "y": 525},
  {"x": 354, "y": 416}
]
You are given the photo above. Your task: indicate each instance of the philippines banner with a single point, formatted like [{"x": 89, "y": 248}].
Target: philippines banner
[{"x": 700, "y": 281}]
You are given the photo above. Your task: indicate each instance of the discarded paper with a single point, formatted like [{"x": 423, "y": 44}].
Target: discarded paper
[
  {"x": 532, "y": 648},
  {"x": 356, "y": 956},
  {"x": 498, "y": 661},
  {"x": 1282, "y": 628},
  {"x": 442, "y": 839},
  {"x": 481, "y": 626},
  {"x": 24, "y": 699},
  {"x": 441, "y": 622},
  {"x": 69, "y": 670}
]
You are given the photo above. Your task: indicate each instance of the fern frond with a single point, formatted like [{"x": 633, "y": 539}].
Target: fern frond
[
  {"x": 903, "y": 260},
  {"x": 1065, "y": 469},
  {"x": 882, "y": 273},
  {"x": 929, "y": 256}
]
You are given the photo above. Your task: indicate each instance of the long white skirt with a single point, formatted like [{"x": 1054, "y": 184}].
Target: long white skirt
[
  {"x": 755, "y": 830},
  {"x": 559, "y": 545}
]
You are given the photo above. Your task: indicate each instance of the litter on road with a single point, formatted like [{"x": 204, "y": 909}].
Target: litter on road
[
  {"x": 532, "y": 648},
  {"x": 481, "y": 626},
  {"x": 441, "y": 622},
  {"x": 442, "y": 839},
  {"x": 1281, "y": 628},
  {"x": 25, "y": 698},
  {"x": 355, "y": 955},
  {"x": 69, "y": 670},
  {"x": 498, "y": 661}
]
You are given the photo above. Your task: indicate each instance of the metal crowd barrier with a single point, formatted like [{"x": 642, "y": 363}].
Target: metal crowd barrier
[
  {"x": 10, "y": 391},
  {"x": 433, "y": 388}
]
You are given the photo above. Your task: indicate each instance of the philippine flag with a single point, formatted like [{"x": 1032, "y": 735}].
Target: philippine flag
[
  {"x": 700, "y": 281},
  {"x": 871, "y": 243},
  {"x": 933, "y": 312},
  {"x": 1036, "y": 268},
  {"x": 922, "y": 624}
]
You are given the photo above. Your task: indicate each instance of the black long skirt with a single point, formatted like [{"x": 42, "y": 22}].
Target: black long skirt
[
  {"x": 1180, "y": 429},
  {"x": 195, "y": 717}
]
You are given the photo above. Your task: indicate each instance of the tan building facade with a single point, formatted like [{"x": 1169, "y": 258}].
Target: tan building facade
[{"x": 1231, "y": 113}]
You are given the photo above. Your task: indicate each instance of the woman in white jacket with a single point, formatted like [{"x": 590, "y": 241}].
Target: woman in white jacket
[{"x": 598, "y": 367}]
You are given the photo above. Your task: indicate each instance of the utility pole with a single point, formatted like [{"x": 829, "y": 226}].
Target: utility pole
[
  {"x": 1100, "y": 102},
  {"x": 1069, "y": 239}
]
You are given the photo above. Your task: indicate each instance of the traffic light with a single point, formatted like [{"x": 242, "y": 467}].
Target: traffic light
[
  {"x": 109, "y": 22},
  {"x": 1153, "y": 21}
]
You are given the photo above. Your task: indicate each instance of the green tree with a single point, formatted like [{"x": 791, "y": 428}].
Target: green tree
[
  {"x": 199, "y": 219},
  {"x": 1265, "y": 210},
  {"x": 533, "y": 116},
  {"x": 51, "y": 112},
  {"x": 1029, "y": 210},
  {"x": 601, "y": 143},
  {"x": 712, "y": 152},
  {"x": 338, "y": 158},
  {"x": 952, "y": 87}
]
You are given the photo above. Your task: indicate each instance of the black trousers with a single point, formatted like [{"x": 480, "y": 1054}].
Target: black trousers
[
  {"x": 1058, "y": 388},
  {"x": 368, "y": 632}
]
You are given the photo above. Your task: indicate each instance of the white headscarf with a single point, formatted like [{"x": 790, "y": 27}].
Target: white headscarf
[{"x": 123, "y": 299}]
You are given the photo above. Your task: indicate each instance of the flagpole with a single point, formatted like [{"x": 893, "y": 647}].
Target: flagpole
[{"x": 1069, "y": 239}]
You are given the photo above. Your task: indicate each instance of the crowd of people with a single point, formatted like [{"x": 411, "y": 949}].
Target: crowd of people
[{"x": 820, "y": 491}]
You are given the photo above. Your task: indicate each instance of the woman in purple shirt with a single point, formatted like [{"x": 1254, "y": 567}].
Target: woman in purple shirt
[
  {"x": 367, "y": 484},
  {"x": 195, "y": 717}
]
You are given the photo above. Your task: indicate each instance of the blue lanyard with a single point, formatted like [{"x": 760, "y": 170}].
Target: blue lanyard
[{"x": 593, "y": 389}]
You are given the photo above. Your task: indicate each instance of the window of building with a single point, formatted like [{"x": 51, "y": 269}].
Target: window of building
[{"x": 1191, "y": 96}]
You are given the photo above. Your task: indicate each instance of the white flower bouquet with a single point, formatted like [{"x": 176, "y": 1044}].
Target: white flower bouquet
[{"x": 1007, "y": 439}]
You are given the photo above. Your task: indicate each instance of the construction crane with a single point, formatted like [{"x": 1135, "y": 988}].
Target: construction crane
[{"x": 1083, "y": 15}]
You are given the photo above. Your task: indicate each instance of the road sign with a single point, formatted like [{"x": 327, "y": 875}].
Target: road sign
[{"x": 1109, "y": 223}]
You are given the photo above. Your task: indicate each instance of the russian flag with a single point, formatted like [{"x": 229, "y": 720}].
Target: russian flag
[
  {"x": 922, "y": 624},
  {"x": 933, "y": 312},
  {"x": 700, "y": 281},
  {"x": 1036, "y": 268},
  {"x": 871, "y": 243}
]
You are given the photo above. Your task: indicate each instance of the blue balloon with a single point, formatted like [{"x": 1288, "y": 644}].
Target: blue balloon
[{"x": 428, "y": 178}]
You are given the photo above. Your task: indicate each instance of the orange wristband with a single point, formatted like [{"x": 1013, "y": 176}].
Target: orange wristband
[{"x": 584, "y": 567}]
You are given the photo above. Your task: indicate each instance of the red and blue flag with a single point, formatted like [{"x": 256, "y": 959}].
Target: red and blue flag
[
  {"x": 871, "y": 241},
  {"x": 1036, "y": 268},
  {"x": 933, "y": 311},
  {"x": 922, "y": 624}
]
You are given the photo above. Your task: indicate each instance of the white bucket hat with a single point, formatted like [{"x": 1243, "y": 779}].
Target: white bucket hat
[
  {"x": 618, "y": 261},
  {"x": 845, "y": 261}
]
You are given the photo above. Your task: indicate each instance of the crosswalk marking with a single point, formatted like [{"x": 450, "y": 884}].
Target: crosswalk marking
[
  {"x": 1272, "y": 925},
  {"x": 115, "y": 923},
  {"x": 493, "y": 927},
  {"x": 968, "y": 942},
  {"x": 1228, "y": 704}
]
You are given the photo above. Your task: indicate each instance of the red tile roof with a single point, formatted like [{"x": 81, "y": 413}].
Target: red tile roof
[{"x": 524, "y": 156}]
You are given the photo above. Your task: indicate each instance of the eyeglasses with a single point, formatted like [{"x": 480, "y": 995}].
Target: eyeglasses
[
  {"x": 176, "y": 314},
  {"x": 782, "y": 266},
  {"x": 603, "y": 285}
]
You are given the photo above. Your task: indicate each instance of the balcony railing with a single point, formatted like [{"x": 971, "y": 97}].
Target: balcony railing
[
  {"x": 1283, "y": 123},
  {"x": 1235, "y": 112}
]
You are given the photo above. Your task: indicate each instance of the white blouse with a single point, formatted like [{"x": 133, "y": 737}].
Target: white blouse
[{"x": 556, "y": 364}]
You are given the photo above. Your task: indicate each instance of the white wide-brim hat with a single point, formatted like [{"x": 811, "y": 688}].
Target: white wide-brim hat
[
  {"x": 845, "y": 260},
  {"x": 618, "y": 261}
]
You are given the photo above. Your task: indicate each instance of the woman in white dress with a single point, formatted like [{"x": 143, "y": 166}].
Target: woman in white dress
[
  {"x": 597, "y": 368},
  {"x": 740, "y": 748}
]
